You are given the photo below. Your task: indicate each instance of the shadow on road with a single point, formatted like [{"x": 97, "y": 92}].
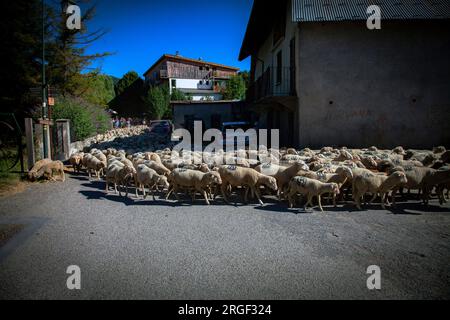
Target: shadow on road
[{"x": 404, "y": 207}]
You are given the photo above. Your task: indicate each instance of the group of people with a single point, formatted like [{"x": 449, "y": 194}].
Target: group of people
[{"x": 117, "y": 122}]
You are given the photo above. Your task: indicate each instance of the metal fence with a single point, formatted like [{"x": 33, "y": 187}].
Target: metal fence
[{"x": 273, "y": 82}]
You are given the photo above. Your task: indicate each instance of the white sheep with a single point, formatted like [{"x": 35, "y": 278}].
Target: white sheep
[
  {"x": 376, "y": 184},
  {"x": 195, "y": 180},
  {"x": 310, "y": 188},
  {"x": 146, "y": 176},
  {"x": 236, "y": 176}
]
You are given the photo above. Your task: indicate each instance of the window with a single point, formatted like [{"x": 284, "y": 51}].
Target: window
[
  {"x": 207, "y": 82},
  {"x": 200, "y": 68},
  {"x": 174, "y": 83},
  {"x": 279, "y": 67},
  {"x": 279, "y": 28}
]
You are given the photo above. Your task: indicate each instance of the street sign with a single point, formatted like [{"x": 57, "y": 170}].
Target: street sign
[{"x": 51, "y": 101}]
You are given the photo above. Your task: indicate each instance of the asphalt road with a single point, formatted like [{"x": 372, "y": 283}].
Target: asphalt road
[{"x": 135, "y": 249}]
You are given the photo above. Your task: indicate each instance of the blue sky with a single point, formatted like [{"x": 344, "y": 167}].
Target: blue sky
[{"x": 141, "y": 31}]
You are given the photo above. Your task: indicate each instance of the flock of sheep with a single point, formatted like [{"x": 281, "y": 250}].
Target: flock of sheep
[{"x": 286, "y": 173}]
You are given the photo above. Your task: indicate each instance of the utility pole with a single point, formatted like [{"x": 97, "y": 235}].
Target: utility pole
[{"x": 45, "y": 128}]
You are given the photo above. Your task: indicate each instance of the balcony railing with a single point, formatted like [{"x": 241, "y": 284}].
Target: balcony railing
[
  {"x": 272, "y": 83},
  {"x": 188, "y": 72}
]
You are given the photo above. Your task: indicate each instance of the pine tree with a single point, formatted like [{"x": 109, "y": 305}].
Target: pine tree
[{"x": 67, "y": 57}]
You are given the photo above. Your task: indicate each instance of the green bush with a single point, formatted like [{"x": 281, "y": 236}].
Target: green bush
[
  {"x": 158, "y": 102},
  {"x": 177, "y": 95},
  {"x": 235, "y": 88},
  {"x": 85, "y": 119}
]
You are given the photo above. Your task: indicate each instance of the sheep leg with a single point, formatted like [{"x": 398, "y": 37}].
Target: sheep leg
[
  {"x": 144, "y": 193},
  {"x": 289, "y": 196},
  {"x": 126, "y": 189},
  {"x": 175, "y": 192},
  {"x": 309, "y": 201},
  {"x": 115, "y": 188},
  {"x": 334, "y": 200},
  {"x": 106, "y": 187},
  {"x": 357, "y": 199},
  {"x": 223, "y": 189},
  {"x": 246, "y": 195},
  {"x": 206, "y": 197},
  {"x": 319, "y": 200},
  {"x": 394, "y": 193},
  {"x": 387, "y": 198},
  {"x": 136, "y": 190},
  {"x": 373, "y": 198},
  {"x": 169, "y": 192},
  {"x": 258, "y": 195},
  {"x": 152, "y": 193},
  {"x": 383, "y": 197}
]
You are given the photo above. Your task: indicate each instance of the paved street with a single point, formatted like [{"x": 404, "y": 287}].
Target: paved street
[{"x": 129, "y": 248}]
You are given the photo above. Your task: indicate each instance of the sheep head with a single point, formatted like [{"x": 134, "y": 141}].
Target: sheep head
[
  {"x": 345, "y": 171},
  {"x": 269, "y": 182},
  {"x": 162, "y": 181},
  {"x": 399, "y": 177},
  {"x": 212, "y": 177},
  {"x": 334, "y": 188}
]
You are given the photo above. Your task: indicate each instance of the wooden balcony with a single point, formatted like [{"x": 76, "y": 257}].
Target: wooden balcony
[{"x": 193, "y": 73}]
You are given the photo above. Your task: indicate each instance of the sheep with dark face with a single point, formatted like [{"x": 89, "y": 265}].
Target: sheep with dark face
[{"x": 436, "y": 178}]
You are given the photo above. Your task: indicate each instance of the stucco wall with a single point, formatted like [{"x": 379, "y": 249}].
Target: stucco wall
[{"x": 386, "y": 87}]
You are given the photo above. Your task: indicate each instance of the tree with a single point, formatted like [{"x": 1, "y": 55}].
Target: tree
[
  {"x": 85, "y": 119},
  {"x": 127, "y": 80},
  {"x": 177, "y": 95},
  {"x": 246, "y": 76},
  {"x": 20, "y": 54},
  {"x": 66, "y": 49},
  {"x": 158, "y": 101},
  {"x": 235, "y": 88},
  {"x": 99, "y": 89}
]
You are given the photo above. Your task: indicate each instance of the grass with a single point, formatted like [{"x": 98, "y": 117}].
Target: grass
[{"x": 11, "y": 181}]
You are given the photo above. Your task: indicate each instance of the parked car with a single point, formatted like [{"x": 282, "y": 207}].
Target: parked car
[{"x": 161, "y": 127}]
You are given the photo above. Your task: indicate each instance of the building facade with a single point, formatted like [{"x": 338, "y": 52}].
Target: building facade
[
  {"x": 212, "y": 114},
  {"x": 323, "y": 78},
  {"x": 197, "y": 79}
]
